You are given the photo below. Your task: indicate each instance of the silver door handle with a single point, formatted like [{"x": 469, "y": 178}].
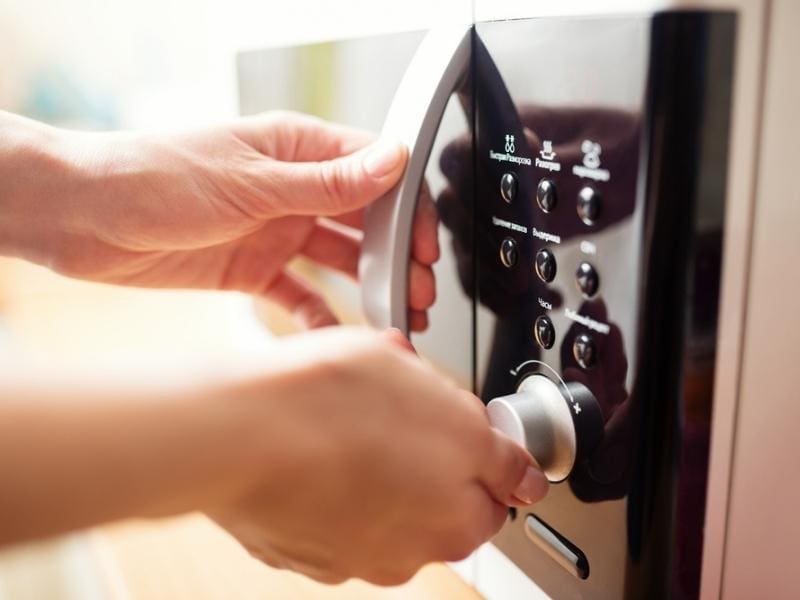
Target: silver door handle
[{"x": 441, "y": 61}]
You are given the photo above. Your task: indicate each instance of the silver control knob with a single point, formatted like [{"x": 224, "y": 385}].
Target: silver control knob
[{"x": 557, "y": 423}]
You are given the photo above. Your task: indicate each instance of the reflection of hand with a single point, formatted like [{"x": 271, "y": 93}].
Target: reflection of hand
[
  {"x": 568, "y": 128},
  {"x": 604, "y": 475},
  {"x": 223, "y": 208},
  {"x": 400, "y": 455}
]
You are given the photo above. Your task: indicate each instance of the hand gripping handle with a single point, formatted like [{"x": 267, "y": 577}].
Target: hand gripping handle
[{"x": 440, "y": 63}]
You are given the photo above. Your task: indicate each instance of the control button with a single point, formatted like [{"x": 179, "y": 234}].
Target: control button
[
  {"x": 587, "y": 279},
  {"x": 545, "y": 265},
  {"x": 544, "y": 332},
  {"x": 589, "y": 202},
  {"x": 584, "y": 350},
  {"x": 546, "y": 196},
  {"x": 508, "y": 187},
  {"x": 558, "y": 423},
  {"x": 508, "y": 252},
  {"x": 557, "y": 547}
]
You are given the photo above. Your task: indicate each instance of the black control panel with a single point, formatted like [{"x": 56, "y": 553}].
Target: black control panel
[{"x": 598, "y": 208}]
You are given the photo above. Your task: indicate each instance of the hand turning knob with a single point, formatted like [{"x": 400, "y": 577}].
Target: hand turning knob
[{"x": 557, "y": 423}]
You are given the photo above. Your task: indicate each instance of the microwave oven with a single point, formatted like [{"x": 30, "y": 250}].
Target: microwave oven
[{"x": 617, "y": 218}]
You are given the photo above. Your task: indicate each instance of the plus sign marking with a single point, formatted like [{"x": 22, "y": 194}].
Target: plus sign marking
[{"x": 576, "y": 407}]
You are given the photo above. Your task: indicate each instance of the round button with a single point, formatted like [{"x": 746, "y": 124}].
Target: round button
[
  {"x": 508, "y": 187},
  {"x": 545, "y": 265},
  {"x": 584, "y": 351},
  {"x": 589, "y": 203},
  {"x": 508, "y": 252},
  {"x": 587, "y": 279},
  {"x": 544, "y": 332},
  {"x": 546, "y": 196}
]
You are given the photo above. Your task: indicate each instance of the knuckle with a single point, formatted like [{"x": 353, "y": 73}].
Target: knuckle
[{"x": 334, "y": 180}]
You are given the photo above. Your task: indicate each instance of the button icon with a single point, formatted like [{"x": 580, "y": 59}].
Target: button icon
[
  {"x": 510, "y": 147},
  {"x": 547, "y": 150},
  {"x": 591, "y": 154}
]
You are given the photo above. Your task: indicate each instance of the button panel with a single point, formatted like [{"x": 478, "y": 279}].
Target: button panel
[{"x": 604, "y": 198}]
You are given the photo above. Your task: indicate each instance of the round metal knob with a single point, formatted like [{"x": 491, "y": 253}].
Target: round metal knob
[{"x": 557, "y": 423}]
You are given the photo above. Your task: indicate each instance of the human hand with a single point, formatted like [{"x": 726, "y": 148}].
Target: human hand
[
  {"x": 224, "y": 208},
  {"x": 373, "y": 464}
]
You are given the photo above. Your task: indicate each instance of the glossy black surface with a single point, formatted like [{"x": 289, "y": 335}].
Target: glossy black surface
[{"x": 628, "y": 117}]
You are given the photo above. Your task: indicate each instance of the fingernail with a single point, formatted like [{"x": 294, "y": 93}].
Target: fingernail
[
  {"x": 383, "y": 157},
  {"x": 533, "y": 486}
]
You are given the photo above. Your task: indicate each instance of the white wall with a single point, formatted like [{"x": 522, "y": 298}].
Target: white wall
[{"x": 154, "y": 63}]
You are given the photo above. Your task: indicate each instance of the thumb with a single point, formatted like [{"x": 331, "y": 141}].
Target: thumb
[
  {"x": 340, "y": 185},
  {"x": 510, "y": 473}
]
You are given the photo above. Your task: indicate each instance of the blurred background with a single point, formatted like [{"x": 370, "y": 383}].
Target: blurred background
[{"x": 150, "y": 64}]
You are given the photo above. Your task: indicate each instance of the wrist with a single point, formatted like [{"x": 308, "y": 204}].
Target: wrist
[{"x": 33, "y": 176}]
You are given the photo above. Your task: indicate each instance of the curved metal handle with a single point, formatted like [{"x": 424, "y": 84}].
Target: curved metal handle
[{"x": 439, "y": 64}]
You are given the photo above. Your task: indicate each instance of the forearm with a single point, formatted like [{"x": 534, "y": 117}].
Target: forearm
[
  {"x": 73, "y": 459},
  {"x": 32, "y": 174}
]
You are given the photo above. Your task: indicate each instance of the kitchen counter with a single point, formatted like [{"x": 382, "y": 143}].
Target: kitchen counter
[{"x": 191, "y": 558}]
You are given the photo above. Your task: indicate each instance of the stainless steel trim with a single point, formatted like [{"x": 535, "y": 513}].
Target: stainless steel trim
[
  {"x": 541, "y": 535},
  {"x": 440, "y": 63}
]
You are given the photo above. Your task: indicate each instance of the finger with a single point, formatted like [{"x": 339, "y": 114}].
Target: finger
[
  {"x": 417, "y": 320},
  {"x": 355, "y": 219},
  {"x": 396, "y": 337},
  {"x": 455, "y": 162},
  {"x": 302, "y": 301},
  {"x": 331, "y": 187},
  {"x": 509, "y": 473},
  {"x": 291, "y": 136},
  {"x": 425, "y": 238},
  {"x": 478, "y": 518},
  {"x": 421, "y": 287},
  {"x": 334, "y": 247}
]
